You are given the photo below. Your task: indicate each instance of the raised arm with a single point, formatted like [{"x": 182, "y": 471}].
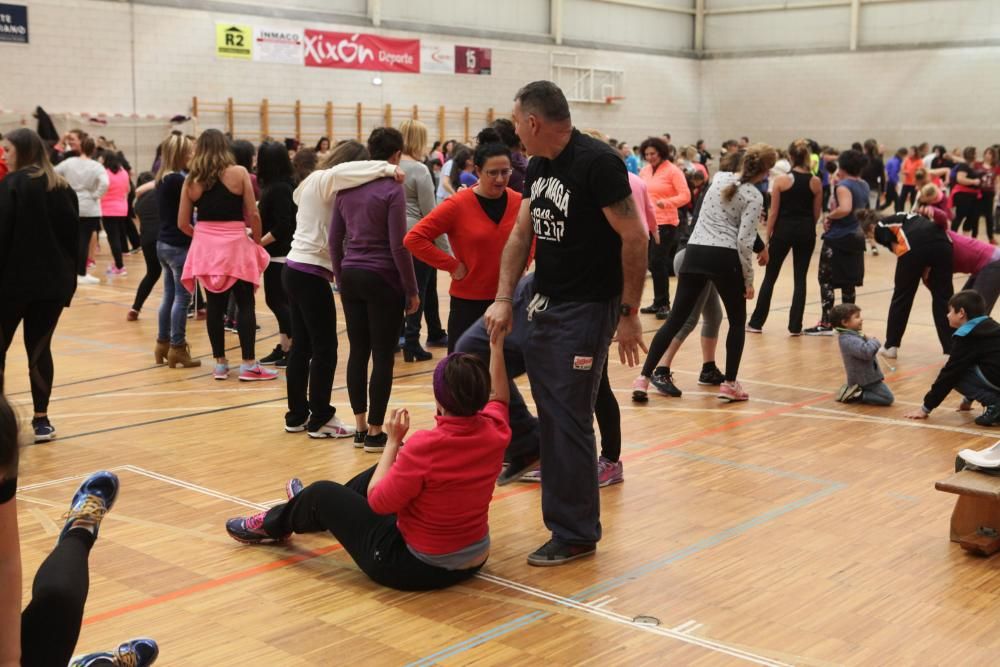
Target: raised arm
[
  {"x": 499, "y": 382},
  {"x": 350, "y": 175}
]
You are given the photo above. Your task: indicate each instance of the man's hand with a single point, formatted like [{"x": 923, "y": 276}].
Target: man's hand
[
  {"x": 916, "y": 414},
  {"x": 413, "y": 304},
  {"x": 398, "y": 425},
  {"x": 499, "y": 319},
  {"x": 629, "y": 339},
  {"x": 460, "y": 272}
]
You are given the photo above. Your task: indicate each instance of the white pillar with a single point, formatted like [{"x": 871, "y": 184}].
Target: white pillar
[
  {"x": 699, "y": 26},
  {"x": 555, "y": 20},
  {"x": 855, "y": 23},
  {"x": 375, "y": 12}
]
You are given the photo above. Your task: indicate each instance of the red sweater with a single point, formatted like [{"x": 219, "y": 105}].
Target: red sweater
[
  {"x": 475, "y": 239},
  {"x": 442, "y": 482}
]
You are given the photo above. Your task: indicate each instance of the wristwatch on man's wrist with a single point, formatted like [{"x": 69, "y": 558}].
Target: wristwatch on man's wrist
[{"x": 625, "y": 310}]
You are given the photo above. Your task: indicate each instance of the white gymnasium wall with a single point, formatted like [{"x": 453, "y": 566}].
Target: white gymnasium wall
[
  {"x": 80, "y": 59},
  {"x": 897, "y": 97},
  {"x": 597, "y": 22}
]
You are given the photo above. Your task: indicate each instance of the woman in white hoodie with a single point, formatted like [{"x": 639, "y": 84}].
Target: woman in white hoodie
[
  {"x": 306, "y": 277},
  {"x": 89, "y": 180}
]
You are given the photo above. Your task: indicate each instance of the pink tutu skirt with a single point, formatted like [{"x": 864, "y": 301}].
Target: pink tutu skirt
[{"x": 221, "y": 253}]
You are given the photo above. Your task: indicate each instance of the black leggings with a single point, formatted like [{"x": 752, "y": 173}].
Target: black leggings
[
  {"x": 609, "y": 419},
  {"x": 372, "y": 540},
  {"x": 462, "y": 315},
  {"x": 987, "y": 211},
  {"x": 373, "y": 311},
  {"x": 967, "y": 211},
  {"x": 153, "y": 272},
  {"x": 312, "y": 359},
  {"x": 907, "y": 195},
  {"x": 114, "y": 227},
  {"x": 276, "y": 299},
  {"x": 848, "y": 293},
  {"x": 40, "y": 319},
  {"x": 728, "y": 281},
  {"x": 87, "y": 228},
  {"x": 242, "y": 292},
  {"x": 50, "y": 624},
  {"x": 659, "y": 257},
  {"x": 801, "y": 247}
]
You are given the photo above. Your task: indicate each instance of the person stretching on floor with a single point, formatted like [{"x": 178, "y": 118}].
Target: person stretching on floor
[
  {"x": 865, "y": 381},
  {"x": 418, "y": 519}
]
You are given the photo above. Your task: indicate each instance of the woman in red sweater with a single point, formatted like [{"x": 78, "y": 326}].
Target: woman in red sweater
[
  {"x": 477, "y": 221},
  {"x": 419, "y": 519}
]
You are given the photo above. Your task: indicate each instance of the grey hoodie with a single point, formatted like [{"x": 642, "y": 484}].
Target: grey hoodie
[{"x": 89, "y": 181}]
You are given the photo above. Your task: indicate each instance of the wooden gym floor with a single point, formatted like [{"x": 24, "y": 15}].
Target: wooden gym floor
[{"x": 786, "y": 530}]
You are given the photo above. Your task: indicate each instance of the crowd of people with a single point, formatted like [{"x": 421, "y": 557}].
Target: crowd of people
[{"x": 547, "y": 233}]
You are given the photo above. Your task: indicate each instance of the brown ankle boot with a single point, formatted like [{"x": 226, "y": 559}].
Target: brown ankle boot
[
  {"x": 161, "y": 350},
  {"x": 180, "y": 355}
]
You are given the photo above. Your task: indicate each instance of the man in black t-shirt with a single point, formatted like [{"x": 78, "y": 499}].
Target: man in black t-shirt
[{"x": 590, "y": 255}]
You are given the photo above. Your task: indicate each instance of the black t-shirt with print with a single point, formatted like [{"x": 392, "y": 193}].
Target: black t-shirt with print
[{"x": 578, "y": 255}]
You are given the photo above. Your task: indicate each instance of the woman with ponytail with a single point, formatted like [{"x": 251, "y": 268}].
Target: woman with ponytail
[{"x": 720, "y": 251}]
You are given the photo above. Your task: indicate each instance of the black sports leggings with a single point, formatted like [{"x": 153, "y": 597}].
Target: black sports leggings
[
  {"x": 50, "y": 624},
  {"x": 275, "y": 297},
  {"x": 86, "y": 230},
  {"x": 40, "y": 319},
  {"x": 462, "y": 315},
  {"x": 153, "y": 272},
  {"x": 727, "y": 276},
  {"x": 373, "y": 311},
  {"x": 246, "y": 326},
  {"x": 114, "y": 227},
  {"x": 609, "y": 419},
  {"x": 372, "y": 540},
  {"x": 907, "y": 194},
  {"x": 967, "y": 211}
]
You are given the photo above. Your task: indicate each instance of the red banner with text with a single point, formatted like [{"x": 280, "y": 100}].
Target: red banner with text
[{"x": 359, "y": 51}]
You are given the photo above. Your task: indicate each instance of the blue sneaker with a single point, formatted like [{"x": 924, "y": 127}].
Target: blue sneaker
[
  {"x": 133, "y": 653},
  {"x": 293, "y": 487},
  {"x": 44, "y": 430},
  {"x": 250, "y": 530},
  {"x": 91, "y": 502}
]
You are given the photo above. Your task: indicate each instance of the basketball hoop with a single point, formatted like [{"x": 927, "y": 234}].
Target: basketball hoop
[{"x": 613, "y": 99}]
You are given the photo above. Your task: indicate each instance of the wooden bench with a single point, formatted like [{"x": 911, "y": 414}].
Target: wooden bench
[{"x": 975, "y": 521}]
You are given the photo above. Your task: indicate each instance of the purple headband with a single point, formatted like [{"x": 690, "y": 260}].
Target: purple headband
[{"x": 441, "y": 391}]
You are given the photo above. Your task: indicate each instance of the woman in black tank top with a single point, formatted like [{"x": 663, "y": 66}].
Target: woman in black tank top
[{"x": 796, "y": 204}]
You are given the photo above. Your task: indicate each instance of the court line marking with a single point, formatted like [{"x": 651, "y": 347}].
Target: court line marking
[
  {"x": 866, "y": 419},
  {"x": 709, "y": 644},
  {"x": 194, "y": 487}
]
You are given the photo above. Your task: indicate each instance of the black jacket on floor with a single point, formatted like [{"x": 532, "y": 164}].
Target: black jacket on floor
[{"x": 979, "y": 347}]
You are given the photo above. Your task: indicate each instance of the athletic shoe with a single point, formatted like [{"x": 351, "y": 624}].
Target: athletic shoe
[
  {"x": 359, "y": 439},
  {"x": 87, "y": 280},
  {"x": 440, "y": 341},
  {"x": 283, "y": 362},
  {"x": 663, "y": 312},
  {"x": 132, "y": 315},
  {"x": 294, "y": 426},
  {"x": 849, "y": 393},
  {"x": 44, "y": 430},
  {"x": 990, "y": 416},
  {"x": 516, "y": 469},
  {"x": 135, "y": 251},
  {"x": 609, "y": 472},
  {"x": 732, "y": 392},
  {"x": 650, "y": 309},
  {"x": 256, "y": 373},
  {"x": 276, "y": 355},
  {"x": 752, "y": 329},
  {"x": 793, "y": 334},
  {"x": 875, "y": 250},
  {"x": 114, "y": 271},
  {"x": 374, "y": 444},
  {"x": 91, "y": 262},
  {"x": 532, "y": 476},
  {"x": 555, "y": 552},
  {"x": 293, "y": 487},
  {"x": 221, "y": 372},
  {"x": 820, "y": 329},
  {"x": 250, "y": 530},
  {"x": 640, "y": 389},
  {"x": 333, "y": 429},
  {"x": 140, "y": 652},
  {"x": 91, "y": 502},
  {"x": 712, "y": 377},
  {"x": 229, "y": 325},
  {"x": 664, "y": 383},
  {"x": 889, "y": 352}
]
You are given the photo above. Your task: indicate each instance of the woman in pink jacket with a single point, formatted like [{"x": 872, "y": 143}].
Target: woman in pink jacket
[
  {"x": 114, "y": 209},
  {"x": 668, "y": 191}
]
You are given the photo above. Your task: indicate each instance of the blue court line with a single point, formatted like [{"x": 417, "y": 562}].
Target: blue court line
[{"x": 830, "y": 487}]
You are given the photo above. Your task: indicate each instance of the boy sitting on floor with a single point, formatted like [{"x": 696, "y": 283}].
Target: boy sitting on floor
[
  {"x": 973, "y": 368},
  {"x": 865, "y": 381}
]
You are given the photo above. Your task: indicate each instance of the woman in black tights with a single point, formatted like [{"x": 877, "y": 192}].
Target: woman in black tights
[
  {"x": 147, "y": 210},
  {"x": 720, "y": 251}
]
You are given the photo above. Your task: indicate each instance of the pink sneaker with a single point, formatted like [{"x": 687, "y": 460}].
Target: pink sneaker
[
  {"x": 640, "y": 387},
  {"x": 732, "y": 392},
  {"x": 221, "y": 372},
  {"x": 609, "y": 473},
  {"x": 256, "y": 373},
  {"x": 91, "y": 262},
  {"x": 115, "y": 271}
]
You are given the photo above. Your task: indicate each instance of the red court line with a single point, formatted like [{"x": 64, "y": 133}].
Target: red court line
[{"x": 316, "y": 553}]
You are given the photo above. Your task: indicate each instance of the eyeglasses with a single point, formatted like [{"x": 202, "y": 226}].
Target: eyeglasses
[{"x": 499, "y": 173}]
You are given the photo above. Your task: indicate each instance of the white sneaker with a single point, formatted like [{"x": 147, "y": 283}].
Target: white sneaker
[
  {"x": 87, "y": 280},
  {"x": 333, "y": 429},
  {"x": 888, "y": 352}
]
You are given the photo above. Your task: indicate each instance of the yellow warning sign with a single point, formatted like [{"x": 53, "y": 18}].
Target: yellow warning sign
[{"x": 233, "y": 41}]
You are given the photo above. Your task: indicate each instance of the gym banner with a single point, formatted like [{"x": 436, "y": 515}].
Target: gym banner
[
  {"x": 437, "y": 58},
  {"x": 233, "y": 41},
  {"x": 278, "y": 45},
  {"x": 359, "y": 51},
  {"x": 14, "y": 24},
  {"x": 473, "y": 60}
]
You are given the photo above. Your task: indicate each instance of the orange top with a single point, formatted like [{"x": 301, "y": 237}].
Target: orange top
[
  {"x": 909, "y": 170},
  {"x": 668, "y": 190}
]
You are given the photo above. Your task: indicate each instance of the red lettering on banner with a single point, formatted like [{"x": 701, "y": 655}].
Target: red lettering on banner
[{"x": 360, "y": 51}]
